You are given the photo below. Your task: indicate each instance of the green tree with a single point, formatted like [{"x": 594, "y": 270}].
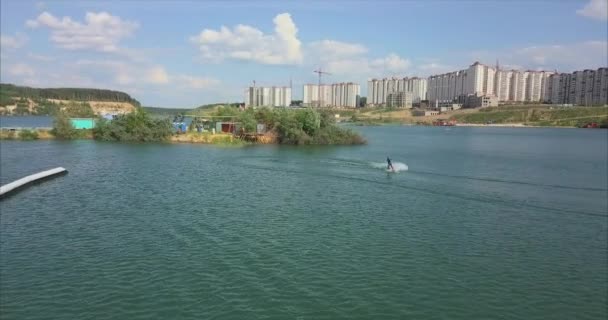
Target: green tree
[
  {"x": 62, "y": 127},
  {"x": 266, "y": 116},
  {"x": 248, "y": 121},
  {"x": 362, "y": 102},
  {"x": 310, "y": 121},
  {"x": 137, "y": 126}
]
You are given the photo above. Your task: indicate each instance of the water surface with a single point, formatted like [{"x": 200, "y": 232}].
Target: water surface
[{"x": 487, "y": 223}]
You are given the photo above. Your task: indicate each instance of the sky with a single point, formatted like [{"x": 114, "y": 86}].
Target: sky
[{"x": 178, "y": 54}]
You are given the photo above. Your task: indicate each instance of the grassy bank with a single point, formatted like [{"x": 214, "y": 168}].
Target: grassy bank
[
  {"x": 527, "y": 115},
  {"x": 38, "y": 134},
  {"x": 209, "y": 138},
  {"x": 537, "y": 116}
]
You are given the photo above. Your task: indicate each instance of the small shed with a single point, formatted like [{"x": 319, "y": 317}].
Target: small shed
[
  {"x": 82, "y": 123},
  {"x": 226, "y": 127}
]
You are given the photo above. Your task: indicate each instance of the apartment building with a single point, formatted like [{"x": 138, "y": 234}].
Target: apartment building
[
  {"x": 584, "y": 88},
  {"x": 268, "y": 97},
  {"x": 399, "y": 100},
  {"x": 378, "y": 90},
  {"x": 334, "y": 95}
]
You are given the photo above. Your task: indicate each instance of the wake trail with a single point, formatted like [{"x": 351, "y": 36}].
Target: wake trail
[
  {"x": 397, "y": 166},
  {"x": 509, "y": 203}
]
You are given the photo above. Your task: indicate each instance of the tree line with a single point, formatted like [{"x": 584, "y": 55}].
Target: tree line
[{"x": 10, "y": 91}]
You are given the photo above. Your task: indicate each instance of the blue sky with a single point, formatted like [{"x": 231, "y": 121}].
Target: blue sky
[{"x": 188, "y": 53}]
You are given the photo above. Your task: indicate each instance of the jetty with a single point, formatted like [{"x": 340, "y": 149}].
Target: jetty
[{"x": 12, "y": 187}]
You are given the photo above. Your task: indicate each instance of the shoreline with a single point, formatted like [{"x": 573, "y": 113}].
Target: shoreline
[
  {"x": 503, "y": 125},
  {"x": 510, "y": 125}
]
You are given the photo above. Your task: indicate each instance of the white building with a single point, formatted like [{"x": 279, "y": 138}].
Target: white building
[
  {"x": 478, "y": 79},
  {"x": 482, "y": 80},
  {"x": 334, "y": 95},
  {"x": 268, "y": 97},
  {"x": 378, "y": 90},
  {"x": 503, "y": 84}
]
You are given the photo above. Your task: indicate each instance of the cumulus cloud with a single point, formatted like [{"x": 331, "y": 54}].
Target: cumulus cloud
[
  {"x": 564, "y": 57},
  {"x": 362, "y": 65},
  {"x": 21, "y": 69},
  {"x": 12, "y": 42},
  {"x": 595, "y": 9},
  {"x": 431, "y": 68},
  {"x": 123, "y": 73},
  {"x": 392, "y": 63},
  {"x": 196, "y": 82},
  {"x": 157, "y": 75},
  {"x": 331, "y": 49},
  {"x": 40, "y": 57},
  {"x": 100, "y": 31},
  {"x": 250, "y": 44}
]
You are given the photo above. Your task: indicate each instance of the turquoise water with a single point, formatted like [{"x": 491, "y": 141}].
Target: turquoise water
[{"x": 486, "y": 223}]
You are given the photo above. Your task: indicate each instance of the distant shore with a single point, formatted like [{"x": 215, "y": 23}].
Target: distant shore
[
  {"x": 508, "y": 125},
  {"x": 502, "y": 125}
]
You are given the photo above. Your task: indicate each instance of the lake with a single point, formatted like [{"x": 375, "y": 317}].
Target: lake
[
  {"x": 26, "y": 121},
  {"x": 485, "y": 223}
]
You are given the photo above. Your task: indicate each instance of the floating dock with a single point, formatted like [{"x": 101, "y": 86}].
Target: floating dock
[{"x": 12, "y": 187}]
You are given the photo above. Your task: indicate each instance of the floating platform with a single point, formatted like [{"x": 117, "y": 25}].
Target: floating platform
[{"x": 14, "y": 186}]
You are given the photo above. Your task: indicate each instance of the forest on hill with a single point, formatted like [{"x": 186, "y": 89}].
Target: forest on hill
[{"x": 10, "y": 92}]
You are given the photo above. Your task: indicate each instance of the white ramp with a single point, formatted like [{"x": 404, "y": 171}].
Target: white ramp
[{"x": 13, "y": 186}]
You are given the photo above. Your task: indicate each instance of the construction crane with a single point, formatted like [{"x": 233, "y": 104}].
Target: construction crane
[{"x": 320, "y": 72}]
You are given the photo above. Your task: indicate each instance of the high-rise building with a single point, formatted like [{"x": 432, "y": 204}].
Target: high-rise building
[
  {"x": 481, "y": 80},
  {"x": 586, "y": 87},
  {"x": 478, "y": 79},
  {"x": 268, "y": 97},
  {"x": 503, "y": 84},
  {"x": 379, "y": 89},
  {"x": 600, "y": 87},
  {"x": 534, "y": 85},
  {"x": 399, "y": 100},
  {"x": 519, "y": 83},
  {"x": 334, "y": 95}
]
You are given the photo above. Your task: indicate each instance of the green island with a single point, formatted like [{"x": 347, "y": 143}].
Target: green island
[
  {"x": 133, "y": 123},
  {"x": 282, "y": 126}
]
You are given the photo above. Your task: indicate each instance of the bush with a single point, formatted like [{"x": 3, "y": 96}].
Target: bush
[
  {"x": 310, "y": 121},
  {"x": 28, "y": 135},
  {"x": 248, "y": 121},
  {"x": 63, "y": 129},
  {"x": 137, "y": 127}
]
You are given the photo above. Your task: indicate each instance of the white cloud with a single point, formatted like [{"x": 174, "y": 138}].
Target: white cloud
[
  {"x": 21, "y": 69},
  {"x": 589, "y": 54},
  {"x": 13, "y": 42},
  {"x": 595, "y": 9},
  {"x": 40, "y": 57},
  {"x": 564, "y": 57},
  {"x": 331, "y": 49},
  {"x": 157, "y": 75},
  {"x": 250, "y": 44},
  {"x": 197, "y": 82},
  {"x": 100, "y": 31},
  {"x": 123, "y": 78},
  {"x": 352, "y": 66},
  {"x": 364, "y": 66},
  {"x": 431, "y": 68},
  {"x": 123, "y": 73},
  {"x": 392, "y": 63}
]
